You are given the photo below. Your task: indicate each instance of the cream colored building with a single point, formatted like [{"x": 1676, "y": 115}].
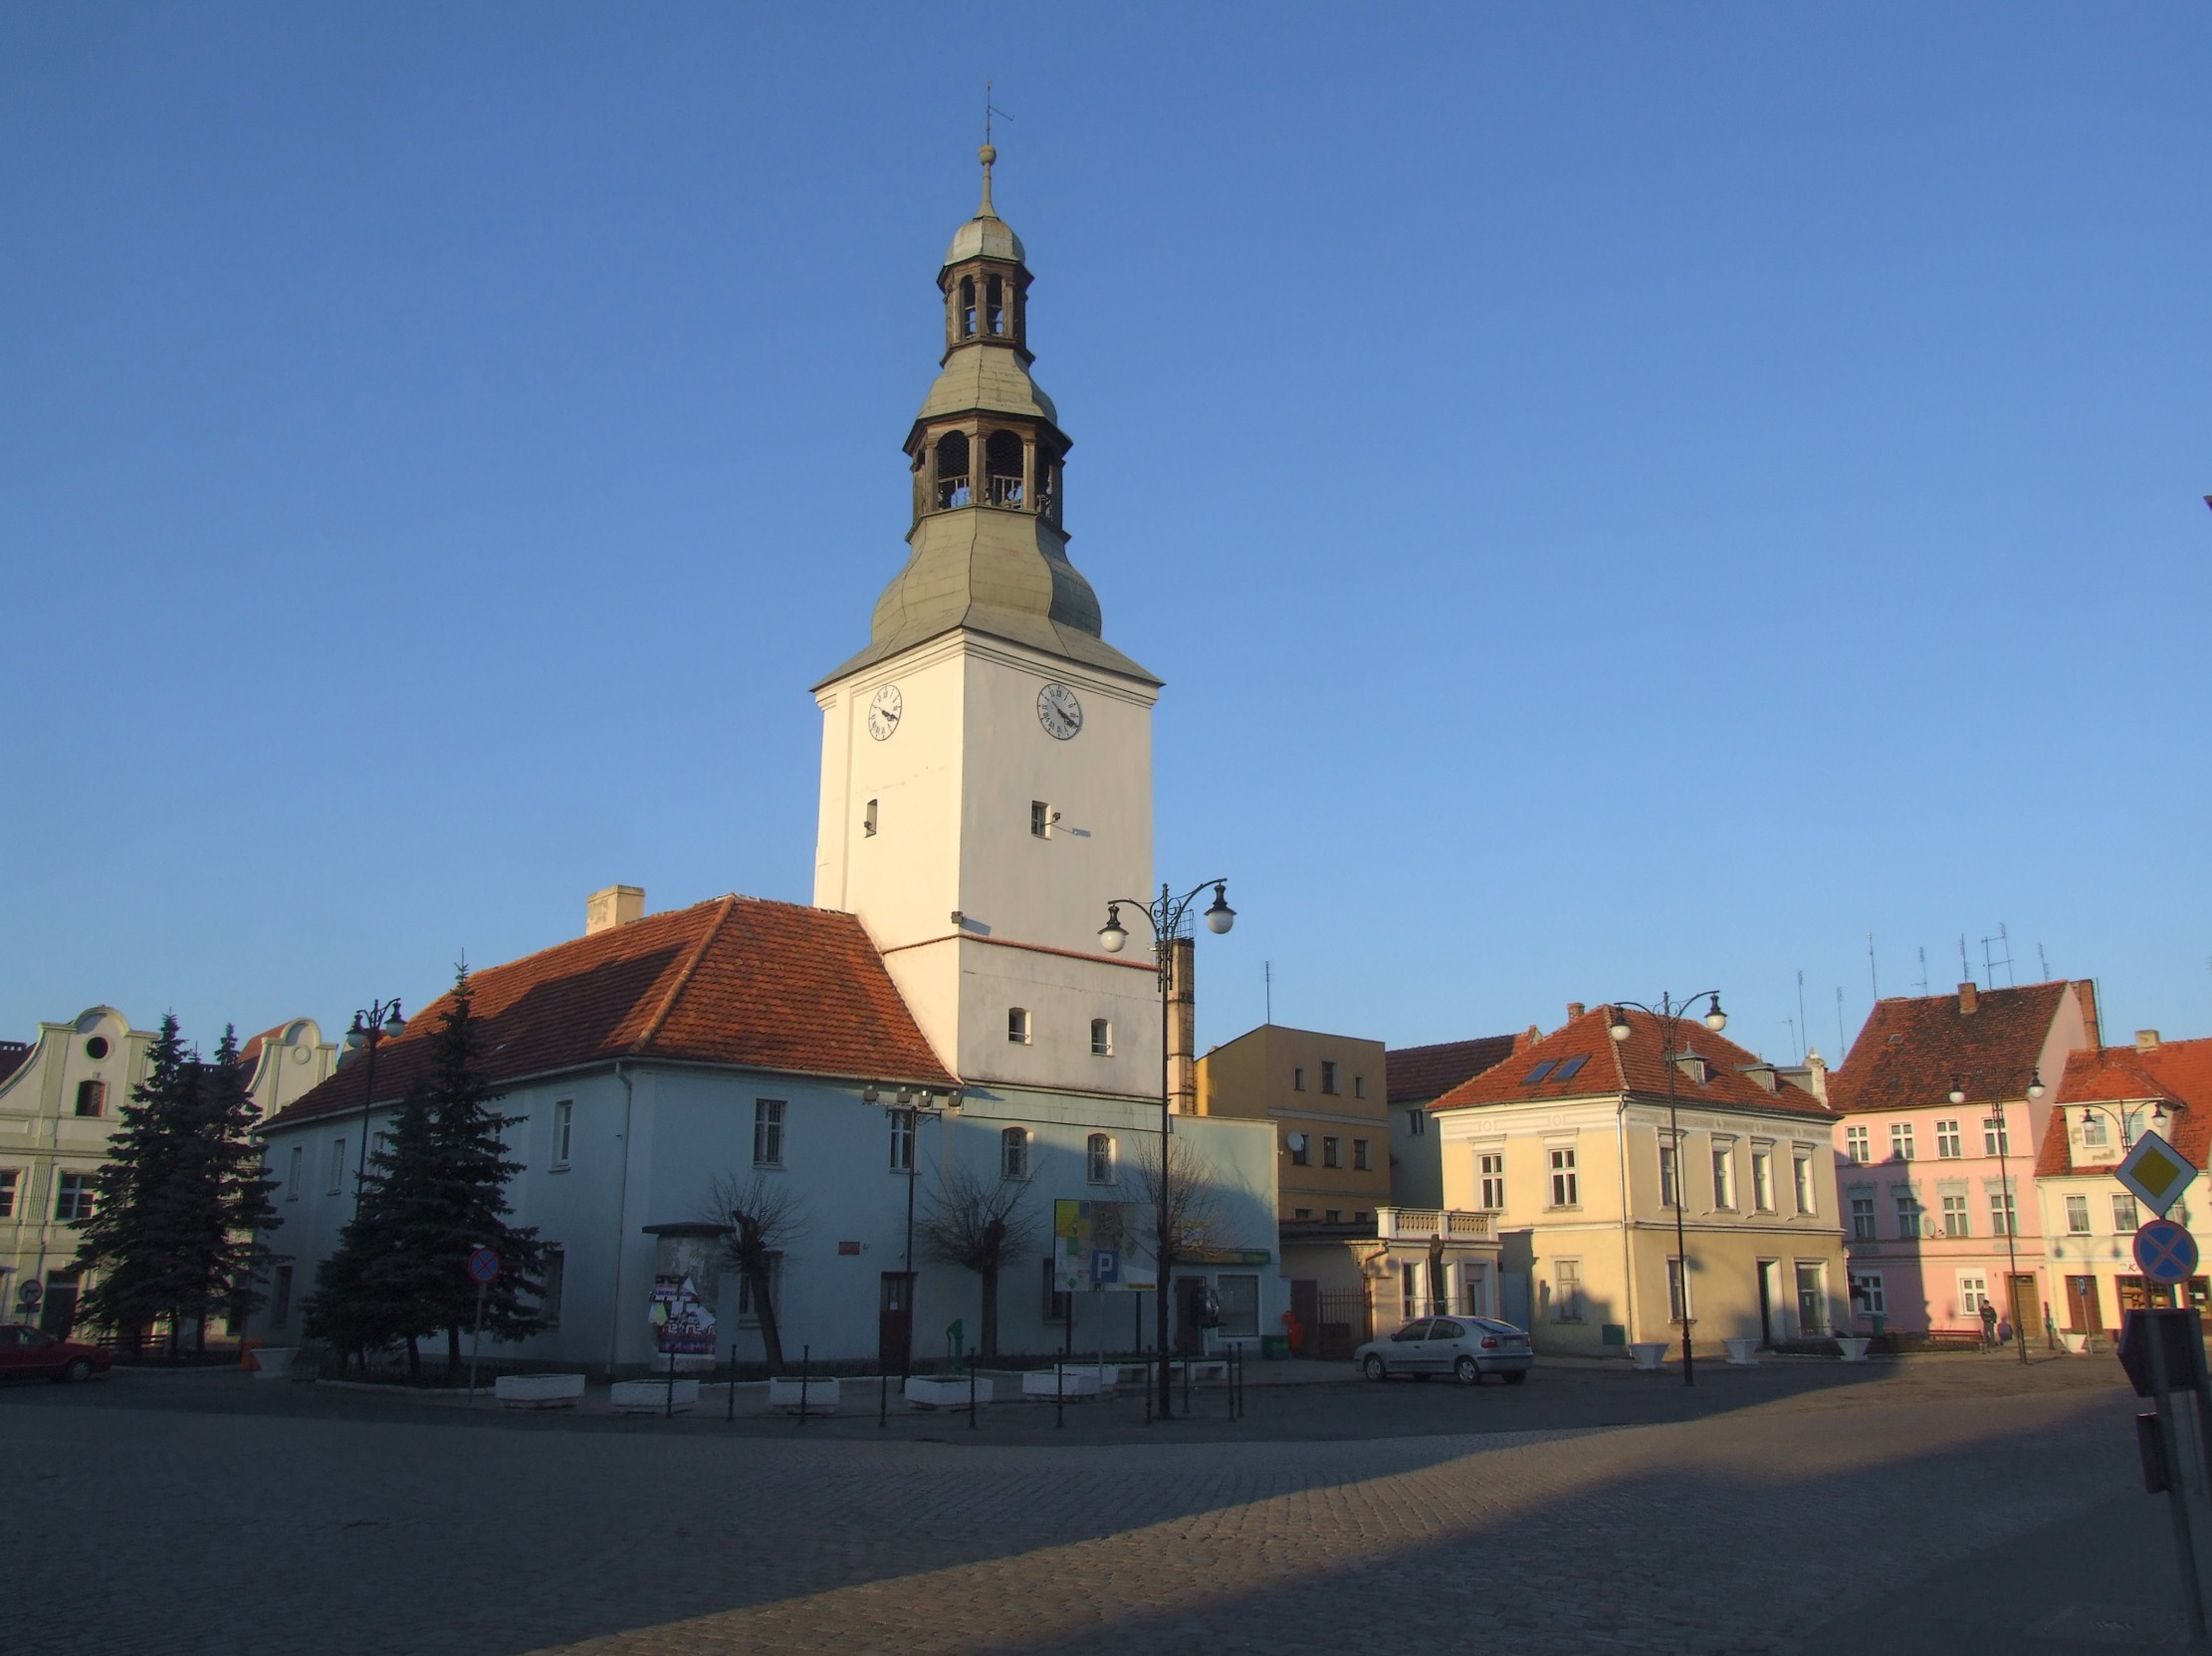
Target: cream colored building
[
  {"x": 59, "y": 1101},
  {"x": 1567, "y": 1148}
]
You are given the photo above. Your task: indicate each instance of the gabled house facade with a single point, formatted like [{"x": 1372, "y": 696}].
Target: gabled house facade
[
  {"x": 1942, "y": 1219},
  {"x": 1568, "y": 1147}
]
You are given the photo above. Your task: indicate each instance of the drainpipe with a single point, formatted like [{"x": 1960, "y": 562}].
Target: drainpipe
[
  {"x": 1628, "y": 1216},
  {"x": 622, "y": 1220}
]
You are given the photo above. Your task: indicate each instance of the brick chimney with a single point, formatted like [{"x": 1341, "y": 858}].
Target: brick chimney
[
  {"x": 1969, "y": 1000},
  {"x": 2146, "y": 1041},
  {"x": 2085, "y": 993},
  {"x": 1574, "y": 1009},
  {"x": 1183, "y": 1028},
  {"x": 617, "y": 905}
]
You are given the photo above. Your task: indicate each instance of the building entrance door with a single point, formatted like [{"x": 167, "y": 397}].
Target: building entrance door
[
  {"x": 895, "y": 1322},
  {"x": 2027, "y": 1309},
  {"x": 1770, "y": 1283},
  {"x": 2081, "y": 1312},
  {"x": 1812, "y": 1300}
]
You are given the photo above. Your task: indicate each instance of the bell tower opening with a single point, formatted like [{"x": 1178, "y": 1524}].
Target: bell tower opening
[{"x": 954, "y": 487}]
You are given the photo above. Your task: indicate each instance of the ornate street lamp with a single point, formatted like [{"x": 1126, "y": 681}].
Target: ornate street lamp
[
  {"x": 916, "y": 1106},
  {"x": 1670, "y": 1012},
  {"x": 1165, "y": 917},
  {"x": 370, "y": 1028}
]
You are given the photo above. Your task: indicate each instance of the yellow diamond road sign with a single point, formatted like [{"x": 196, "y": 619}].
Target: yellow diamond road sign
[{"x": 2156, "y": 1172}]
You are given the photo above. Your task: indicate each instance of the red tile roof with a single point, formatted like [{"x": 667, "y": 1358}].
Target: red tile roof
[
  {"x": 739, "y": 980},
  {"x": 1637, "y": 1065},
  {"x": 2178, "y": 1072},
  {"x": 1911, "y": 1047},
  {"x": 1416, "y": 1074}
]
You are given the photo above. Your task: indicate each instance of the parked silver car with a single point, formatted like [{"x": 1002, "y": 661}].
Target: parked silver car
[{"x": 1464, "y": 1348}]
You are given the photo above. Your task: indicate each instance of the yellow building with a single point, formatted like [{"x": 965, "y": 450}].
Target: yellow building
[{"x": 1567, "y": 1148}]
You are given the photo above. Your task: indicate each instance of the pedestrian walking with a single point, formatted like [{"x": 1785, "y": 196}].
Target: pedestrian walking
[{"x": 1989, "y": 1324}]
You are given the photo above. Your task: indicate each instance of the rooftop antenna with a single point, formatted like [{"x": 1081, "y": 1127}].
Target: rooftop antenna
[
  {"x": 1841, "y": 1044},
  {"x": 1990, "y": 961},
  {"x": 988, "y": 154},
  {"x": 1923, "y": 969},
  {"x": 1267, "y": 973},
  {"x": 1801, "y": 1023},
  {"x": 1871, "y": 979},
  {"x": 2046, "y": 960},
  {"x": 1965, "y": 966},
  {"x": 1794, "y": 1046}
]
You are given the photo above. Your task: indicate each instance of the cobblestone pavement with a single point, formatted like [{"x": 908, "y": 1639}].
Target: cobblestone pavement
[{"x": 167, "y": 1514}]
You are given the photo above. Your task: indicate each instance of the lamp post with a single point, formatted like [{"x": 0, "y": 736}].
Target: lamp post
[
  {"x": 1994, "y": 1121},
  {"x": 1165, "y": 917},
  {"x": 2123, "y": 1117},
  {"x": 370, "y": 1027},
  {"x": 1670, "y": 1012},
  {"x": 915, "y": 1108}
]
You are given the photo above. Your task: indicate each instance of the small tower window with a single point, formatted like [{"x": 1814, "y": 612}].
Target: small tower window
[
  {"x": 1102, "y": 1037},
  {"x": 951, "y": 471},
  {"x": 966, "y": 306},
  {"x": 995, "y": 305},
  {"x": 1040, "y": 819},
  {"x": 868, "y": 821},
  {"x": 1018, "y": 1026},
  {"x": 1003, "y": 469}
]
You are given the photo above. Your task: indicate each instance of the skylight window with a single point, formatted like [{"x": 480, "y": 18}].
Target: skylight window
[
  {"x": 1567, "y": 1069},
  {"x": 1538, "y": 1073}
]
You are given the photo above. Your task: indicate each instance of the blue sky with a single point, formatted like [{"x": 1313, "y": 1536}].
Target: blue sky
[{"x": 1623, "y": 498}]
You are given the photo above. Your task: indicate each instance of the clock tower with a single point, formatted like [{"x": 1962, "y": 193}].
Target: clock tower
[{"x": 987, "y": 760}]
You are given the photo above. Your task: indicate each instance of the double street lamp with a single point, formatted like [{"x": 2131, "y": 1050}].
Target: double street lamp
[
  {"x": 372, "y": 1025},
  {"x": 1670, "y": 1012},
  {"x": 1165, "y": 915},
  {"x": 1994, "y": 1123}
]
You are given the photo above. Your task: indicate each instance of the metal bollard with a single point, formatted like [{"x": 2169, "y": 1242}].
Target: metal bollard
[
  {"x": 970, "y": 1391},
  {"x": 1060, "y": 1393},
  {"x": 883, "y": 1405},
  {"x": 805, "y": 1373},
  {"x": 732, "y": 1412}
]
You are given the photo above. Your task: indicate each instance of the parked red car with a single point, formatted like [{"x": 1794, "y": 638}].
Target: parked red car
[{"x": 27, "y": 1352}]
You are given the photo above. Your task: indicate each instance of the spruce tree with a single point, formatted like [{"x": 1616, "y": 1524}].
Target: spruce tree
[
  {"x": 135, "y": 1246},
  {"x": 240, "y": 1209}
]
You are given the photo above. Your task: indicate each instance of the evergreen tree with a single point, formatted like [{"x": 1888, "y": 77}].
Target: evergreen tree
[
  {"x": 237, "y": 1191},
  {"x": 132, "y": 1246}
]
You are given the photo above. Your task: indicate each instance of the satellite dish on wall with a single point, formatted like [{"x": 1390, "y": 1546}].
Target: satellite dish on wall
[{"x": 1297, "y": 1141}]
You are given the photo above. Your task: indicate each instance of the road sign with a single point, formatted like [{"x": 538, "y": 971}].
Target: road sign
[
  {"x": 2156, "y": 1172},
  {"x": 483, "y": 1267},
  {"x": 2165, "y": 1251},
  {"x": 31, "y": 1293},
  {"x": 2180, "y": 1332}
]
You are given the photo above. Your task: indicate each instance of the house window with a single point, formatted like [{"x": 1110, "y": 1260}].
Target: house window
[
  {"x": 1946, "y": 1142},
  {"x": 1013, "y": 1153},
  {"x": 1800, "y": 1169},
  {"x": 1304, "y": 1213},
  {"x": 1359, "y": 1162},
  {"x": 1855, "y": 1147},
  {"x": 1863, "y": 1218},
  {"x": 1302, "y": 1149},
  {"x": 1566, "y": 1190},
  {"x": 1329, "y": 1152},
  {"x": 2077, "y": 1214},
  {"x": 279, "y": 1297},
  {"x": 1762, "y": 1178},
  {"x": 1670, "y": 1176},
  {"x": 2124, "y": 1216},
  {"x": 1040, "y": 819},
  {"x": 92, "y": 1097},
  {"x": 1566, "y": 1290},
  {"x": 748, "y": 1307},
  {"x": 1954, "y": 1216},
  {"x": 1238, "y": 1295},
  {"x": 8, "y": 1177},
  {"x": 1866, "y": 1294},
  {"x": 293, "y": 1171},
  {"x": 337, "y": 1165},
  {"x": 1490, "y": 1167},
  {"x": 1973, "y": 1293},
  {"x": 1996, "y": 1141},
  {"x": 1102, "y": 1037},
  {"x": 1297, "y": 1078},
  {"x": 1725, "y": 1174},
  {"x": 1901, "y": 1140},
  {"x": 1328, "y": 1075},
  {"x": 73, "y": 1197},
  {"x": 1676, "y": 1309},
  {"x": 1408, "y": 1290},
  {"x": 1334, "y": 1216},
  {"x": 2000, "y": 1213},
  {"x": 1098, "y": 1159},
  {"x": 868, "y": 821},
  {"x": 550, "y": 1289},
  {"x": 1058, "y": 1303},
  {"x": 1018, "y": 1026},
  {"x": 902, "y": 1141},
  {"x": 563, "y": 1129},
  {"x": 1359, "y": 1087},
  {"x": 767, "y": 1133},
  {"x": 1416, "y": 1122},
  {"x": 1812, "y": 1298},
  {"x": 1908, "y": 1216},
  {"x": 2093, "y": 1135}
]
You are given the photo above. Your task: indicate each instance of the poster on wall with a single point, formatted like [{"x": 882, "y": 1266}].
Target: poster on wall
[
  {"x": 683, "y": 1323},
  {"x": 1095, "y": 1248}
]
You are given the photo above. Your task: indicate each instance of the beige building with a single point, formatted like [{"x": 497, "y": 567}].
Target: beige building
[
  {"x": 1567, "y": 1148},
  {"x": 59, "y": 1099}
]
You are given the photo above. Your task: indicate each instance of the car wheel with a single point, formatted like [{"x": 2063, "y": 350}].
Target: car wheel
[
  {"x": 1468, "y": 1371},
  {"x": 1376, "y": 1369},
  {"x": 80, "y": 1368},
  {"x": 1514, "y": 1376}
]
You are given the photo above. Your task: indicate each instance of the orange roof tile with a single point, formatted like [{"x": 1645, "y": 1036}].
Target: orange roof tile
[
  {"x": 2177, "y": 1072},
  {"x": 1637, "y": 1065},
  {"x": 1415, "y": 1074},
  {"x": 1910, "y": 1049},
  {"x": 737, "y": 981}
]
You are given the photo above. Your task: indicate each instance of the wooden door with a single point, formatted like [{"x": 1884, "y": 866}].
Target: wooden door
[
  {"x": 895, "y": 1322},
  {"x": 2027, "y": 1309}
]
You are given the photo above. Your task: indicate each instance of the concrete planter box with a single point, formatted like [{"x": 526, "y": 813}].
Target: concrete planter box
[
  {"x": 1854, "y": 1347},
  {"x": 935, "y": 1391},
  {"x": 653, "y": 1397},
  {"x": 1072, "y": 1382},
  {"x": 1742, "y": 1353},
  {"x": 540, "y": 1391},
  {"x": 2079, "y": 1344},
  {"x": 274, "y": 1362},
  {"x": 1648, "y": 1354},
  {"x": 821, "y": 1395}
]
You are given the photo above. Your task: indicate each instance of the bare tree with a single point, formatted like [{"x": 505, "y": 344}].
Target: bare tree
[
  {"x": 765, "y": 1215},
  {"x": 1195, "y": 1221},
  {"x": 978, "y": 1224}
]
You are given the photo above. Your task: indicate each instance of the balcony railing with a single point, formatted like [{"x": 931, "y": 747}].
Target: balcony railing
[{"x": 1420, "y": 1224}]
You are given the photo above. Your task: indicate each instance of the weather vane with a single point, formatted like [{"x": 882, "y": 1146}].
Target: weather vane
[{"x": 990, "y": 110}]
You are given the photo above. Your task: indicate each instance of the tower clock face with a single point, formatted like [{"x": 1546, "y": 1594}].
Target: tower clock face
[
  {"x": 1059, "y": 712},
  {"x": 884, "y": 712}
]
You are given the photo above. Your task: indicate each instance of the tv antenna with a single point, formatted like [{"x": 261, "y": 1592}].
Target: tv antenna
[
  {"x": 1924, "y": 968},
  {"x": 1840, "y": 1043},
  {"x": 2046, "y": 960},
  {"x": 990, "y": 110},
  {"x": 1990, "y": 961}
]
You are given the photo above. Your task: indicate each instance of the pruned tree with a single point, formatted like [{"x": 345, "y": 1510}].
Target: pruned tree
[
  {"x": 978, "y": 1225},
  {"x": 765, "y": 1215},
  {"x": 1195, "y": 1221}
]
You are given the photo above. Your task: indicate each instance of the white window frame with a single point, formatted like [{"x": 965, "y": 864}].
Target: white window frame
[
  {"x": 1725, "y": 1174},
  {"x": 337, "y": 1167},
  {"x": 1018, "y": 1027},
  {"x": 1973, "y": 1293},
  {"x": 1955, "y": 1209},
  {"x": 770, "y": 1116},
  {"x": 1670, "y": 1172},
  {"x": 1328, "y": 1077},
  {"x": 1566, "y": 1177},
  {"x": 1858, "y": 1145},
  {"x": 1804, "y": 1185},
  {"x": 80, "y": 1184},
  {"x": 1762, "y": 1178},
  {"x": 1950, "y": 1145},
  {"x": 1102, "y": 1037},
  {"x": 1909, "y": 1210},
  {"x": 1867, "y": 1295},
  {"x": 2004, "y": 1211},
  {"x": 2078, "y": 1214},
  {"x": 2094, "y": 1134},
  {"x": 904, "y": 1124},
  {"x": 1901, "y": 1141},
  {"x": 1678, "y": 1298},
  {"x": 1099, "y": 1159},
  {"x": 1568, "y": 1296},
  {"x": 10, "y": 1180},
  {"x": 2127, "y": 1214},
  {"x": 563, "y": 1134},
  {"x": 1016, "y": 1163},
  {"x": 1490, "y": 1177},
  {"x": 294, "y": 1172},
  {"x": 1865, "y": 1207},
  {"x": 1997, "y": 1140}
]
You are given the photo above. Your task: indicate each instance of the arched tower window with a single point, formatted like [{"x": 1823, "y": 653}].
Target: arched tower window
[
  {"x": 953, "y": 487},
  {"x": 966, "y": 306},
  {"x": 1003, "y": 466},
  {"x": 995, "y": 306}
]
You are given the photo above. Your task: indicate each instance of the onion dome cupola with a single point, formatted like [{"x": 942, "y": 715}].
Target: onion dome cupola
[{"x": 989, "y": 539}]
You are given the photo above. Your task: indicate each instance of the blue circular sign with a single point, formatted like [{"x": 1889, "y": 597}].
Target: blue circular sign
[
  {"x": 2165, "y": 1253},
  {"x": 483, "y": 1266}
]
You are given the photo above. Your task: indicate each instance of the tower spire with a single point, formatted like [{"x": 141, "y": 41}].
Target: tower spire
[{"x": 988, "y": 154}]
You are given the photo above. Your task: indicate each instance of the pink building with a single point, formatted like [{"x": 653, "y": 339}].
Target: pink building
[{"x": 1942, "y": 1107}]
